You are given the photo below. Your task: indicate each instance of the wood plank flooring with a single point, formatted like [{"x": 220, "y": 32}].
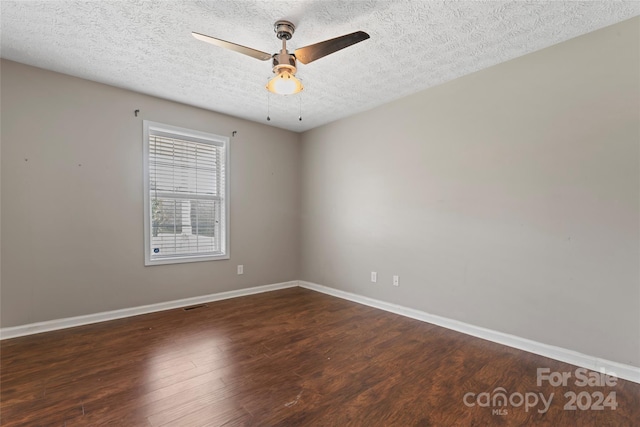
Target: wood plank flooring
[{"x": 286, "y": 358}]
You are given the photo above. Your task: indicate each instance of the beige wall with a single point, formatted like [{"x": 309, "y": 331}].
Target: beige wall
[
  {"x": 72, "y": 236},
  {"x": 507, "y": 199}
]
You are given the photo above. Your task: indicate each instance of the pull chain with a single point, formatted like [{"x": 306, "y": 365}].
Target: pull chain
[
  {"x": 268, "y": 106},
  {"x": 300, "y": 112}
]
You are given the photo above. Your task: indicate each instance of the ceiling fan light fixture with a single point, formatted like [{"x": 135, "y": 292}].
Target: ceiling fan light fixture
[{"x": 284, "y": 83}]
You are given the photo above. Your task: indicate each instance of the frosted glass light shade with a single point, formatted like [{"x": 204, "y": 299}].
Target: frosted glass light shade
[{"x": 284, "y": 83}]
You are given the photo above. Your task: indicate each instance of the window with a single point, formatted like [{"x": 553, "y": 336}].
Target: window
[{"x": 186, "y": 201}]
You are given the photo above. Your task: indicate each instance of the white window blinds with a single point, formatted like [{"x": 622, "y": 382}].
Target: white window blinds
[{"x": 186, "y": 190}]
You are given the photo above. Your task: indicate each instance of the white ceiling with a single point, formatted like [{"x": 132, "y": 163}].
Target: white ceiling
[{"x": 146, "y": 46}]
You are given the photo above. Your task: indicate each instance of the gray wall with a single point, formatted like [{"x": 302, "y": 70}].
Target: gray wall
[
  {"x": 507, "y": 199},
  {"x": 72, "y": 236}
]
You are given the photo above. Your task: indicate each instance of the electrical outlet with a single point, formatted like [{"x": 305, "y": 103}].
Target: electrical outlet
[
  {"x": 396, "y": 281},
  {"x": 241, "y": 269},
  {"x": 374, "y": 276}
]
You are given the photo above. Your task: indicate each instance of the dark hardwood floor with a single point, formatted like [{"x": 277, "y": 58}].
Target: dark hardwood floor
[{"x": 288, "y": 358}]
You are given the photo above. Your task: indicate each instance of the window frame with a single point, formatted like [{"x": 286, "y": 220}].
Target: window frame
[{"x": 150, "y": 128}]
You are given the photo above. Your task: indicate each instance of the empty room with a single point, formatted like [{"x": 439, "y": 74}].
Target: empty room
[{"x": 319, "y": 213}]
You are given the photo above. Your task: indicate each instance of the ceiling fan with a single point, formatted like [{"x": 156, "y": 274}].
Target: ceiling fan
[{"x": 284, "y": 63}]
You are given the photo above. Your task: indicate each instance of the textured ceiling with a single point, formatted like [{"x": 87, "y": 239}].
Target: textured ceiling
[{"x": 146, "y": 46}]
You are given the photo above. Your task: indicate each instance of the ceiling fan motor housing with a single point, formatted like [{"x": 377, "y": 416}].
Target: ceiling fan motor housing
[{"x": 284, "y": 60}]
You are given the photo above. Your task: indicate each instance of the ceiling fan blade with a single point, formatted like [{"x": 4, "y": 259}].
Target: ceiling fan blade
[
  {"x": 263, "y": 56},
  {"x": 312, "y": 52}
]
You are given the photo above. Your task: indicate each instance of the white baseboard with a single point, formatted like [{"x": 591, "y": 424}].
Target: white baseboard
[
  {"x": 70, "y": 322},
  {"x": 620, "y": 370}
]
